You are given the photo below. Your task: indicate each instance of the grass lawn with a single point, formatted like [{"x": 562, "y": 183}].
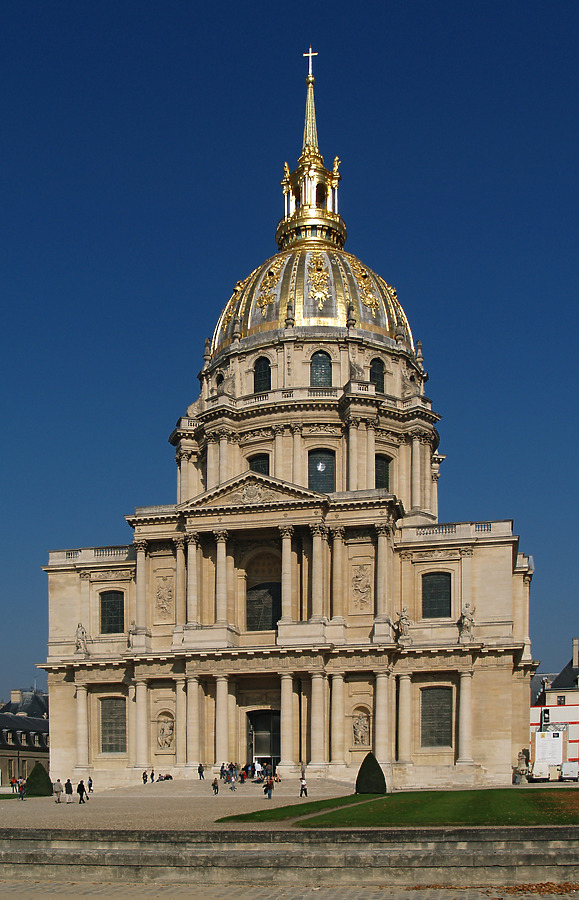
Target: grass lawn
[{"x": 494, "y": 806}]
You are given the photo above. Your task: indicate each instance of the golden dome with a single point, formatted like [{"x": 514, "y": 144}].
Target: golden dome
[
  {"x": 312, "y": 282},
  {"x": 312, "y": 285}
]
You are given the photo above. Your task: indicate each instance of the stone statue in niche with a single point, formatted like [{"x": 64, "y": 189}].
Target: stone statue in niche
[
  {"x": 361, "y": 587},
  {"x": 402, "y": 627},
  {"x": 165, "y": 732},
  {"x": 131, "y": 635},
  {"x": 361, "y": 730},
  {"x": 81, "y": 638},
  {"x": 466, "y": 624},
  {"x": 165, "y": 596}
]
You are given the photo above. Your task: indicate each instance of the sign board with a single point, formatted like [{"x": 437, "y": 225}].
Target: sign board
[{"x": 549, "y": 747}]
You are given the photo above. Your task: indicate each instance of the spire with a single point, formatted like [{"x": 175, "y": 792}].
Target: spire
[
  {"x": 310, "y": 130},
  {"x": 310, "y": 191}
]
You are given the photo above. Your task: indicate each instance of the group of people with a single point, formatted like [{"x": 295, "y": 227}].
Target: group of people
[
  {"x": 151, "y": 778},
  {"x": 68, "y": 790},
  {"x": 18, "y": 786}
]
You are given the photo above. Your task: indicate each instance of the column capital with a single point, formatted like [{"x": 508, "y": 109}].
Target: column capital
[
  {"x": 286, "y": 531},
  {"x": 296, "y": 428},
  {"x": 140, "y": 679},
  {"x": 220, "y": 536},
  {"x": 192, "y": 537},
  {"x": 318, "y": 529},
  {"x": 179, "y": 541},
  {"x": 278, "y": 429},
  {"x": 383, "y": 527},
  {"x": 183, "y": 455},
  {"x": 338, "y": 532},
  {"x": 211, "y": 438},
  {"x": 140, "y": 545}
]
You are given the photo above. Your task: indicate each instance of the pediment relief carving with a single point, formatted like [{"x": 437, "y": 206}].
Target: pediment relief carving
[{"x": 250, "y": 489}]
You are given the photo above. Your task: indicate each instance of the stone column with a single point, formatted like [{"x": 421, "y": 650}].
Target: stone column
[
  {"x": 465, "y": 718},
  {"x": 337, "y": 721},
  {"x": 381, "y": 717},
  {"x": 193, "y": 755},
  {"x": 434, "y": 495},
  {"x": 287, "y": 721},
  {"x": 415, "y": 500},
  {"x": 142, "y": 724},
  {"x": 426, "y": 467},
  {"x": 317, "y": 574},
  {"x": 181, "y": 599},
  {"x": 382, "y": 573},
  {"x": 297, "y": 454},
  {"x": 370, "y": 457},
  {"x": 286, "y": 532},
  {"x": 362, "y": 455},
  {"x": 221, "y": 724},
  {"x": 404, "y": 719},
  {"x": 212, "y": 463},
  {"x": 192, "y": 579},
  {"x": 353, "y": 455},
  {"x": 466, "y": 577},
  {"x": 81, "y": 726},
  {"x": 317, "y": 719},
  {"x": 180, "y": 722},
  {"x": 221, "y": 578},
  {"x": 278, "y": 469},
  {"x": 141, "y": 578},
  {"x": 338, "y": 573},
  {"x": 223, "y": 456},
  {"x": 184, "y": 456}
]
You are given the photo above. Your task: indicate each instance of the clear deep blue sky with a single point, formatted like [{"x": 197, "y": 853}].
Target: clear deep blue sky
[{"x": 142, "y": 149}]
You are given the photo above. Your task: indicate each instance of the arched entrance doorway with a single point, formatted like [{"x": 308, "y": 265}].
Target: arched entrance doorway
[{"x": 263, "y": 736}]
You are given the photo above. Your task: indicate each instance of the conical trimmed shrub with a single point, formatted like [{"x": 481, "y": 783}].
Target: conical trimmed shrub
[
  {"x": 38, "y": 783},
  {"x": 370, "y": 778}
]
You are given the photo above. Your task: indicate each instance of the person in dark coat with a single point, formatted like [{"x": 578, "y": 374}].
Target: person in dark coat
[
  {"x": 68, "y": 790},
  {"x": 81, "y": 791}
]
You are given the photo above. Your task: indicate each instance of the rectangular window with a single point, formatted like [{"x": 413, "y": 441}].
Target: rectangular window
[
  {"x": 113, "y": 725},
  {"x": 561, "y": 700},
  {"x": 436, "y": 717},
  {"x": 112, "y": 612},
  {"x": 436, "y": 600}
]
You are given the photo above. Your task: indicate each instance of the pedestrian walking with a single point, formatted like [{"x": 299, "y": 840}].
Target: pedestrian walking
[
  {"x": 268, "y": 789},
  {"x": 58, "y": 789},
  {"x": 201, "y": 771},
  {"x": 303, "y": 788},
  {"x": 21, "y": 788},
  {"x": 215, "y": 786},
  {"x": 145, "y": 777},
  {"x": 152, "y": 776},
  {"x": 14, "y": 784},
  {"x": 89, "y": 783},
  {"x": 68, "y": 790},
  {"x": 81, "y": 791}
]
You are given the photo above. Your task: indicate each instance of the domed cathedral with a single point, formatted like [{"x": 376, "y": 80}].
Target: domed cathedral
[{"x": 300, "y": 604}]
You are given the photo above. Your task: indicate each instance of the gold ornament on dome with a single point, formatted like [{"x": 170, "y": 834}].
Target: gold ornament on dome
[
  {"x": 318, "y": 277},
  {"x": 231, "y": 306},
  {"x": 365, "y": 286},
  {"x": 266, "y": 294}
]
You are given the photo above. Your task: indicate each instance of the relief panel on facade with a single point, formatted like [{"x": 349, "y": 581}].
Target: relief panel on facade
[
  {"x": 361, "y": 576},
  {"x": 164, "y": 601}
]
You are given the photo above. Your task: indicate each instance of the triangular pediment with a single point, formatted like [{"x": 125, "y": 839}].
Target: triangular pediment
[{"x": 251, "y": 489}]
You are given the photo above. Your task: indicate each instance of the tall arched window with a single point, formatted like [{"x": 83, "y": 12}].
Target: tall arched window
[
  {"x": 263, "y": 598},
  {"x": 436, "y": 717},
  {"x": 377, "y": 375},
  {"x": 322, "y": 471},
  {"x": 436, "y": 596},
  {"x": 321, "y": 195},
  {"x": 261, "y": 375},
  {"x": 259, "y": 463},
  {"x": 112, "y": 612},
  {"x": 113, "y": 725},
  {"x": 382, "y": 472},
  {"x": 321, "y": 370}
]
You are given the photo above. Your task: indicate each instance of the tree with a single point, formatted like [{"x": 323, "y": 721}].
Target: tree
[
  {"x": 38, "y": 783},
  {"x": 370, "y": 778}
]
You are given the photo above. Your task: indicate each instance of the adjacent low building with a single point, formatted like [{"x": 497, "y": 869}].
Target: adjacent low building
[{"x": 23, "y": 734}]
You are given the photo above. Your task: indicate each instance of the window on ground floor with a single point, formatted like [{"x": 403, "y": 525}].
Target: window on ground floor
[
  {"x": 113, "y": 725},
  {"x": 436, "y": 717}
]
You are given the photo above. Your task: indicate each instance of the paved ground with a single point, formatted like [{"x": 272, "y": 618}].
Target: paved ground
[
  {"x": 178, "y": 805},
  {"x": 36, "y": 889},
  {"x": 181, "y": 805}
]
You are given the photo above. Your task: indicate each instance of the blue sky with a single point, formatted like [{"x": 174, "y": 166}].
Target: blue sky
[{"x": 142, "y": 150}]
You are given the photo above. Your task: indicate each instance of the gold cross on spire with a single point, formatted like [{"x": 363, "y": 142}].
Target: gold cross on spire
[{"x": 310, "y": 54}]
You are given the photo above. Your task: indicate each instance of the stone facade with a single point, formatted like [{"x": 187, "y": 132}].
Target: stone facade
[{"x": 300, "y": 601}]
